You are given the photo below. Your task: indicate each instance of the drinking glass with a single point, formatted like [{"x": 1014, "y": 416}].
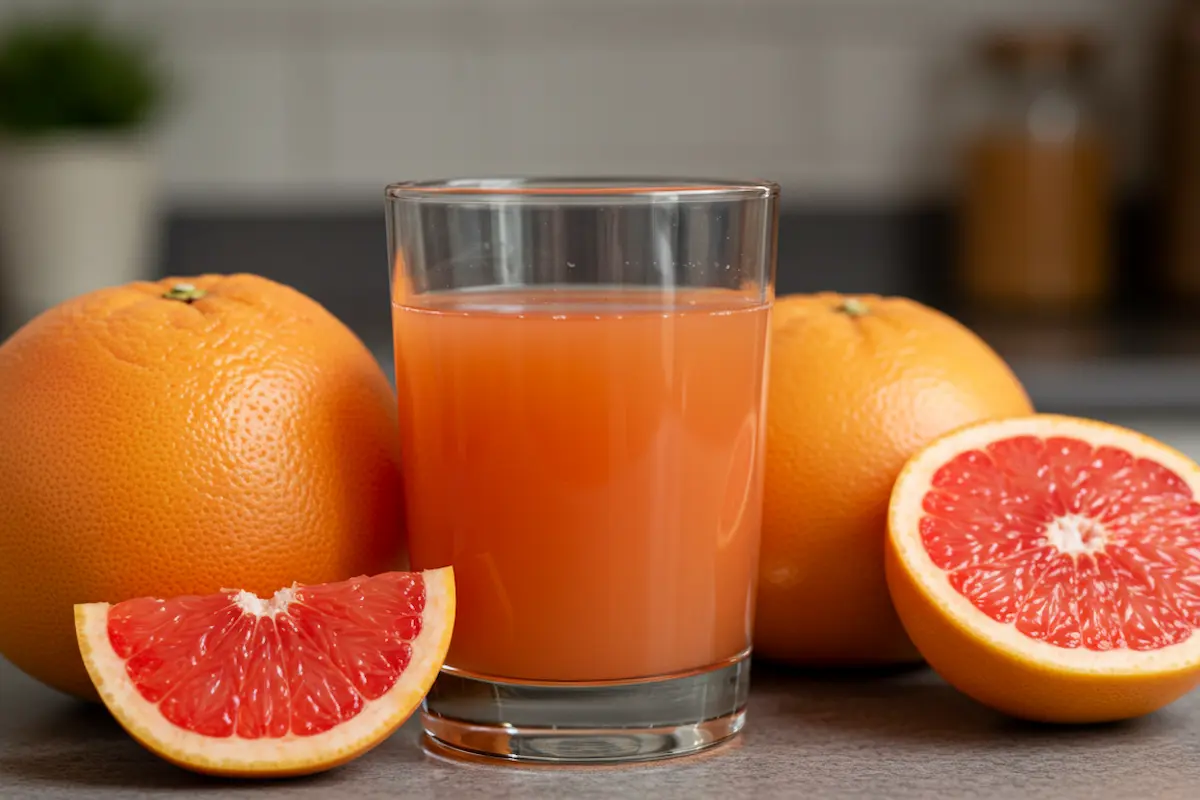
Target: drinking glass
[{"x": 581, "y": 373}]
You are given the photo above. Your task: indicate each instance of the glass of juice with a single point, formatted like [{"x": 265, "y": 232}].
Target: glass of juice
[{"x": 580, "y": 367}]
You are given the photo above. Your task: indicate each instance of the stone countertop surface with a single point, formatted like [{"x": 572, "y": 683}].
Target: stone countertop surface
[{"x": 809, "y": 735}]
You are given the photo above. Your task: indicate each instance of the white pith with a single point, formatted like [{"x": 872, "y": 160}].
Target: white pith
[
  {"x": 290, "y": 753},
  {"x": 258, "y": 607},
  {"x": 1076, "y": 535},
  {"x": 1069, "y": 534}
]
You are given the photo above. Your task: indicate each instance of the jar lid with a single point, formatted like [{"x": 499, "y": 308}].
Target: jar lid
[{"x": 1042, "y": 48}]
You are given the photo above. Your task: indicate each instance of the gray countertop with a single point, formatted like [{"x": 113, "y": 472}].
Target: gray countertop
[{"x": 900, "y": 735}]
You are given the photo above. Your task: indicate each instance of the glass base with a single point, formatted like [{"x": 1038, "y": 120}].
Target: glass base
[{"x": 588, "y": 723}]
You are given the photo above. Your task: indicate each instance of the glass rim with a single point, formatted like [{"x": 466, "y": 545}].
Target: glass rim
[{"x": 579, "y": 190}]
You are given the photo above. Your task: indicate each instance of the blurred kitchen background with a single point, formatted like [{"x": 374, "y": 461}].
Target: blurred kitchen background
[{"x": 1030, "y": 166}]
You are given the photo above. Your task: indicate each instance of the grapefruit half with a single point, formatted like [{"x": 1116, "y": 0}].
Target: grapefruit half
[
  {"x": 234, "y": 684},
  {"x": 1049, "y": 567}
]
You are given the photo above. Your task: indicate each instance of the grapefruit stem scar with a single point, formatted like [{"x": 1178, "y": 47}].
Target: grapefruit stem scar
[
  {"x": 185, "y": 293},
  {"x": 853, "y": 307}
]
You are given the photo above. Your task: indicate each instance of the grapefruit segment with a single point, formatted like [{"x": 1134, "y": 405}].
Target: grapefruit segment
[
  {"x": 1050, "y": 566},
  {"x": 235, "y": 684}
]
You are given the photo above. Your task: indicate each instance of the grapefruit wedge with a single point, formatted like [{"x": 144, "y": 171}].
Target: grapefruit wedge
[
  {"x": 1049, "y": 567},
  {"x": 234, "y": 684}
]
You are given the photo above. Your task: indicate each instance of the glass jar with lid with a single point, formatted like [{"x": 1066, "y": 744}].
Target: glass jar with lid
[{"x": 1037, "y": 177}]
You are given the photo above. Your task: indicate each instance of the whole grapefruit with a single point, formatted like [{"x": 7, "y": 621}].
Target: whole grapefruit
[
  {"x": 181, "y": 437},
  {"x": 857, "y": 386}
]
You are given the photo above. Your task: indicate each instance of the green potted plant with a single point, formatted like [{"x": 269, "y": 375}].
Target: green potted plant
[{"x": 76, "y": 168}]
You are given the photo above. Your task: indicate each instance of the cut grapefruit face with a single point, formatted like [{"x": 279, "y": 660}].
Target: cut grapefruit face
[
  {"x": 1050, "y": 566},
  {"x": 234, "y": 684}
]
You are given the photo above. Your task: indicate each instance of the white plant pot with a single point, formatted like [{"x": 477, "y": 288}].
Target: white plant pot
[{"x": 76, "y": 215}]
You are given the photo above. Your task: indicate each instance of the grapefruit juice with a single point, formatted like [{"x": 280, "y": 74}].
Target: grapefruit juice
[{"x": 589, "y": 462}]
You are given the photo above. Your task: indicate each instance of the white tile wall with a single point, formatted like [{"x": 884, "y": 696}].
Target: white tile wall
[
  {"x": 321, "y": 101},
  {"x": 230, "y": 130}
]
